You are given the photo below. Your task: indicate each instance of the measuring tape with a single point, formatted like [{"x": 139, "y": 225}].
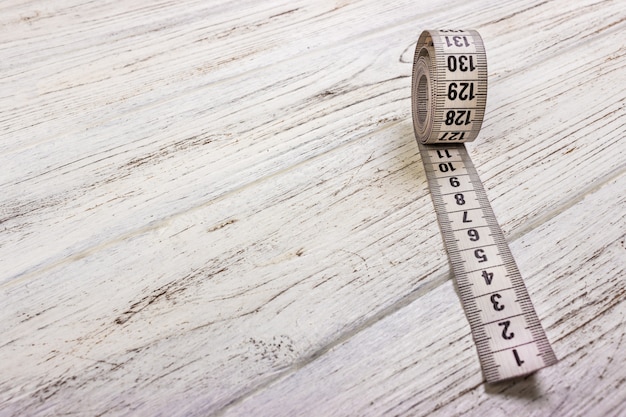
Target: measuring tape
[{"x": 448, "y": 97}]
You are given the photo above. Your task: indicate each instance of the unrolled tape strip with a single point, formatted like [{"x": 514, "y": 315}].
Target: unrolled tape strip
[{"x": 449, "y": 94}]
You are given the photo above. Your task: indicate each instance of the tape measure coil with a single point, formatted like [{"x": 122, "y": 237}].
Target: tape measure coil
[{"x": 450, "y": 86}]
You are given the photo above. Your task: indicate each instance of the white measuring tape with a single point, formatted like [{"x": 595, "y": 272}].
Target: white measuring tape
[{"x": 449, "y": 93}]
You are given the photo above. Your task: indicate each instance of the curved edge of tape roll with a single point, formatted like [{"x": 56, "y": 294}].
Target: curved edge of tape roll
[{"x": 449, "y": 86}]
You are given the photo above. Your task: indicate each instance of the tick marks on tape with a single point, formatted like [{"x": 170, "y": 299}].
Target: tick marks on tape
[{"x": 448, "y": 97}]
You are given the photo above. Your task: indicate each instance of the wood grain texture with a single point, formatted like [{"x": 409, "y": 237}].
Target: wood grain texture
[{"x": 219, "y": 208}]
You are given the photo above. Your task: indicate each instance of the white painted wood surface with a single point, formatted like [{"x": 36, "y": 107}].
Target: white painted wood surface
[{"x": 219, "y": 208}]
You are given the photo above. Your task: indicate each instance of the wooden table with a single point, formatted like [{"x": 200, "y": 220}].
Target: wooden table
[{"x": 219, "y": 208}]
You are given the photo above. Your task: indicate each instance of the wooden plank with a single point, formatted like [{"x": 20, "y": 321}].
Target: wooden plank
[{"x": 169, "y": 52}]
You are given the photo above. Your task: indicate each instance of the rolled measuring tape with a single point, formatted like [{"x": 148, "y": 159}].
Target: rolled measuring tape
[{"x": 448, "y": 98}]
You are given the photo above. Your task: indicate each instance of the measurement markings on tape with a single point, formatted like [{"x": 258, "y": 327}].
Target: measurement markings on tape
[{"x": 449, "y": 93}]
